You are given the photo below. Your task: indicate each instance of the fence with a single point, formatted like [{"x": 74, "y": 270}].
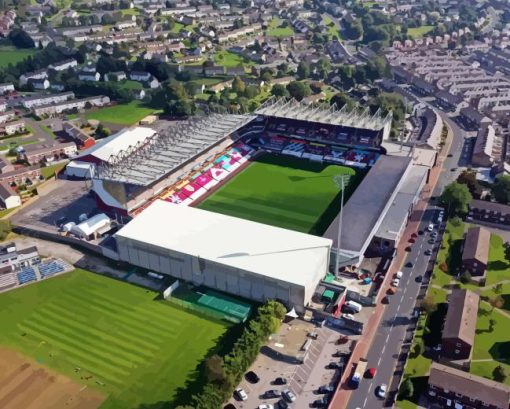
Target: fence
[{"x": 201, "y": 310}]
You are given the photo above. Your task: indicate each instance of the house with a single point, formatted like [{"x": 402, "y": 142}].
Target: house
[
  {"x": 153, "y": 83},
  {"x": 489, "y": 212},
  {"x": 13, "y": 259},
  {"x": 3, "y": 106},
  {"x": 140, "y": 76},
  {"x": 46, "y": 152},
  {"x": 115, "y": 76},
  {"x": 220, "y": 86},
  {"x": 459, "y": 328},
  {"x": 482, "y": 151},
  {"x": 78, "y": 136},
  {"x": 6, "y": 88},
  {"x": 6, "y": 166},
  {"x": 475, "y": 254},
  {"x": 8, "y": 197},
  {"x": 63, "y": 65},
  {"x": 89, "y": 76},
  {"x": 472, "y": 118},
  {"x": 139, "y": 93},
  {"x": 39, "y": 84},
  {"x": 40, "y": 100},
  {"x": 235, "y": 71},
  {"x": 214, "y": 70},
  {"x": 7, "y": 116},
  {"x": 452, "y": 388},
  {"x": 78, "y": 104},
  {"x": 21, "y": 175},
  {"x": 34, "y": 75},
  {"x": 14, "y": 127},
  {"x": 57, "y": 86}
]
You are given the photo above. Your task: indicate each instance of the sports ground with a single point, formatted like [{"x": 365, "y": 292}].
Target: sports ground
[
  {"x": 282, "y": 191},
  {"x": 108, "y": 336}
]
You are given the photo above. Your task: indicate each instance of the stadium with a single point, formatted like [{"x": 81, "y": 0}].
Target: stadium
[{"x": 250, "y": 204}]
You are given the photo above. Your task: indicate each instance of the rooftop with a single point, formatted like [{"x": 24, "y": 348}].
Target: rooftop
[
  {"x": 460, "y": 319},
  {"x": 476, "y": 244},
  {"x": 469, "y": 385},
  {"x": 269, "y": 251}
]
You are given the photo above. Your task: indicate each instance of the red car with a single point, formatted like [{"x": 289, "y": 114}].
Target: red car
[
  {"x": 411, "y": 240},
  {"x": 414, "y": 235},
  {"x": 370, "y": 373}
]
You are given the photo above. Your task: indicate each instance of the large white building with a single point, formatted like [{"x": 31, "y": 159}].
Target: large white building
[{"x": 241, "y": 257}]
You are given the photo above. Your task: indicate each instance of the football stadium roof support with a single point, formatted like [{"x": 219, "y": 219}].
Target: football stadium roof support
[
  {"x": 293, "y": 109},
  {"x": 151, "y": 159}
]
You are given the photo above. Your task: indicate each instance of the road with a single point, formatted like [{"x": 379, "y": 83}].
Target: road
[{"x": 392, "y": 341}]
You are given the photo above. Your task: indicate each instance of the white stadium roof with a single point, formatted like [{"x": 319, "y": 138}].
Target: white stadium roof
[
  {"x": 261, "y": 249},
  {"x": 120, "y": 141}
]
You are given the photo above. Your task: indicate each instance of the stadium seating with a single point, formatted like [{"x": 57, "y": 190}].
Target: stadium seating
[
  {"x": 7, "y": 280},
  {"x": 49, "y": 268},
  {"x": 26, "y": 275}
]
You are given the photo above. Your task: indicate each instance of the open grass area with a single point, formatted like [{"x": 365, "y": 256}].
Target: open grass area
[
  {"x": 333, "y": 30},
  {"x": 419, "y": 32},
  {"x": 49, "y": 171},
  {"x": 122, "y": 114},
  {"x": 285, "y": 192},
  {"x": 228, "y": 59},
  {"x": 498, "y": 268},
  {"x": 136, "y": 350},
  {"x": 48, "y": 131},
  {"x": 131, "y": 85},
  {"x": 11, "y": 55},
  {"x": 276, "y": 30}
]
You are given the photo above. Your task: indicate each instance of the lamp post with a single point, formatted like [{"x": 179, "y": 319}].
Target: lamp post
[{"x": 341, "y": 182}]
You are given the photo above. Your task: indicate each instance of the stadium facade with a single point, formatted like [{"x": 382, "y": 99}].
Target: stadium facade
[{"x": 241, "y": 257}]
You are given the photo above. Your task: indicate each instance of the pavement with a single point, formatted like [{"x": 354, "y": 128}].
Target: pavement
[{"x": 389, "y": 331}]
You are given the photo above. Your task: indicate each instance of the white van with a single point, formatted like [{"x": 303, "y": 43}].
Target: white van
[
  {"x": 354, "y": 306},
  {"x": 399, "y": 274}
]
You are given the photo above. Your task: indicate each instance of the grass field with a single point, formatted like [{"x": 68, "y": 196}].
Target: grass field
[
  {"x": 275, "y": 30},
  {"x": 122, "y": 114},
  {"x": 419, "y": 32},
  {"x": 11, "y": 55},
  {"x": 136, "y": 350},
  {"x": 285, "y": 192},
  {"x": 228, "y": 59}
]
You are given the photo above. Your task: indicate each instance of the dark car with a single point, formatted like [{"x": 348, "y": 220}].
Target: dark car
[
  {"x": 348, "y": 310},
  {"x": 449, "y": 155},
  {"x": 325, "y": 389},
  {"x": 409, "y": 248},
  {"x": 280, "y": 381},
  {"x": 431, "y": 241},
  {"x": 252, "y": 377},
  {"x": 409, "y": 264},
  {"x": 272, "y": 394},
  {"x": 333, "y": 365},
  {"x": 420, "y": 232},
  {"x": 282, "y": 404},
  {"x": 428, "y": 252},
  {"x": 385, "y": 300},
  {"x": 418, "y": 279}
]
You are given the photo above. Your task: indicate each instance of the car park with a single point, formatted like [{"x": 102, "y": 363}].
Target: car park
[
  {"x": 280, "y": 381},
  {"x": 272, "y": 394},
  {"x": 288, "y": 395},
  {"x": 381, "y": 391},
  {"x": 252, "y": 377},
  {"x": 240, "y": 394}
]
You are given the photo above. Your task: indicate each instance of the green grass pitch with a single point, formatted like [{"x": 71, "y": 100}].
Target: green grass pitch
[
  {"x": 286, "y": 192},
  {"x": 136, "y": 350}
]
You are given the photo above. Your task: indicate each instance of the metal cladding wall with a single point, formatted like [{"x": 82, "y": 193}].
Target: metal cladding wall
[{"x": 215, "y": 275}]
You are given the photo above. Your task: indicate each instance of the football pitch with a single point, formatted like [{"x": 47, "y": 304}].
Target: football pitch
[
  {"x": 108, "y": 335},
  {"x": 287, "y": 192}
]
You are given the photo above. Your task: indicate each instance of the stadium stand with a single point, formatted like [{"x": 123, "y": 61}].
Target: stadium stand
[
  {"x": 7, "y": 281},
  {"x": 50, "y": 268},
  {"x": 26, "y": 275}
]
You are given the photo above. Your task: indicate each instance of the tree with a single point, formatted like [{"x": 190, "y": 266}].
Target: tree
[
  {"x": 5, "y": 228},
  {"x": 238, "y": 86},
  {"x": 341, "y": 99},
  {"x": 456, "y": 199},
  {"x": 298, "y": 90},
  {"x": 214, "y": 369},
  {"x": 303, "y": 70},
  {"x": 279, "y": 90},
  {"x": 497, "y": 301},
  {"x": 498, "y": 289},
  {"x": 429, "y": 304},
  {"x": 353, "y": 30},
  {"x": 501, "y": 189},
  {"x": 407, "y": 389},
  {"x": 102, "y": 131},
  {"x": 499, "y": 374},
  {"x": 465, "y": 278},
  {"x": 492, "y": 322},
  {"x": 251, "y": 91},
  {"x": 468, "y": 178},
  {"x": 21, "y": 39}
]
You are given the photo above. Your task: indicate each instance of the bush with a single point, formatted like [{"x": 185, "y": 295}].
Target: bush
[
  {"x": 5, "y": 229},
  {"x": 406, "y": 389},
  {"x": 443, "y": 267},
  {"x": 499, "y": 374},
  {"x": 465, "y": 278}
]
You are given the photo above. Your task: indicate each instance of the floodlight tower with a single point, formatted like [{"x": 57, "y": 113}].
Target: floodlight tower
[{"x": 340, "y": 181}]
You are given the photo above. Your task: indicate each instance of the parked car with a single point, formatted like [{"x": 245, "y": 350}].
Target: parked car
[
  {"x": 399, "y": 274},
  {"x": 240, "y": 394},
  {"x": 418, "y": 279},
  {"x": 433, "y": 234},
  {"x": 348, "y": 316},
  {"x": 333, "y": 365},
  {"x": 282, "y": 404},
  {"x": 280, "y": 381},
  {"x": 289, "y": 395},
  {"x": 266, "y": 406},
  {"x": 272, "y": 394},
  {"x": 395, "y": 282},
  {"x": 428, "y": 252},
  {"x": 325, "y": 389},
  {"x": 381, "y": 391},
  {"x": 430, "y": 227},
  {"x": 385, "y": 300},
  {"x": 409, "y": 264},
  {"x": 408, "y": 249},
  {"x": 431, "y": 240},
  {"x": 252, "y": 377}
]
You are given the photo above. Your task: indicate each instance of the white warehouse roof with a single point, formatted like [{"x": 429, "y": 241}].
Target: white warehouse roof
[
  {"x": 120, "y": 141},
  {"x": 90, "y": 226},
  {"x": 261, "y": 249}
]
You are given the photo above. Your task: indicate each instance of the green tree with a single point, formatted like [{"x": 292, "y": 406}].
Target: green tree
[
  {"x": 298, "y": 90},
  {"x": 303, "y": 70},
  {"x": 5, "y": 229},
  {"x": 492, "y": 323},
  {"x": 341, "y": 99},
  {"x": 468, "y": 178},
  {"x": 214, "y": 369},
  {"x": 499, "y": 374},
  {"x": 407, "y": 389},
  {"x": 238, "y": 85},
  {"x": 465, "y": 277},
  {"x": 428, "y": 304},
  {"x": 279, "y": 90},
  {"x": 456, "y": 199},
  {"x": 21, "y": 39},
  {"x": 501, "y": 189}
]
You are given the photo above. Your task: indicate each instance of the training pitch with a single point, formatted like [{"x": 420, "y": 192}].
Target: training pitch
[
  {"x": 282, "y": 191},
  {"x": 107, "y": 335}
]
